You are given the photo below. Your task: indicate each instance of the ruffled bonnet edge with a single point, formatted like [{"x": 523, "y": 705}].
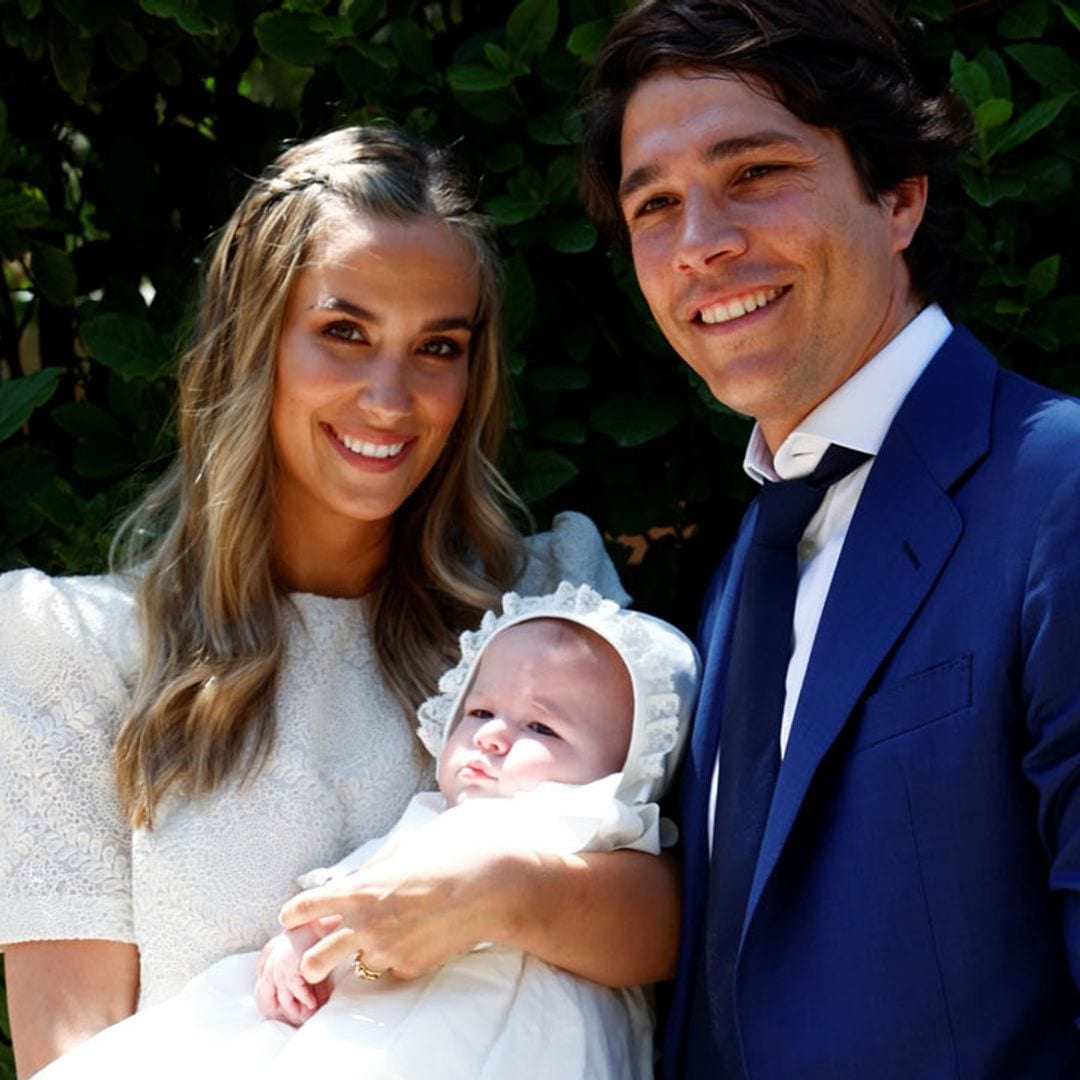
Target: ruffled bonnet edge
[{"x": 662, "y": 661}]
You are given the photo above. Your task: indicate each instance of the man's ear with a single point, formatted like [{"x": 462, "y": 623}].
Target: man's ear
[{"x": 906, "y": 204}]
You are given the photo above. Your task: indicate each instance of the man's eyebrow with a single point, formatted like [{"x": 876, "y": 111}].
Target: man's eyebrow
[
  {"x": 339, "y": 303},
  {"x": 717, "y": 151}
]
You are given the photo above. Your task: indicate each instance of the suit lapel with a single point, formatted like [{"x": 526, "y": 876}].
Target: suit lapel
[{"x": 903, "y": 531}]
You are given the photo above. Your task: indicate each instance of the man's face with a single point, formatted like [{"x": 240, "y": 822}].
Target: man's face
[{"x": 764, "y": 263}]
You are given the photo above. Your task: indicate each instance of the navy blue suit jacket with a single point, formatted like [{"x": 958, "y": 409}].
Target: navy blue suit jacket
[{"x": 915, "y": 910}]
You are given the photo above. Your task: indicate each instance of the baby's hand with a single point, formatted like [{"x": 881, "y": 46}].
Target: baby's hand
[{"x": 281, "y": 992}]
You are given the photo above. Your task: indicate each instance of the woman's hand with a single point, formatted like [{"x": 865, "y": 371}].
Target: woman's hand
[
  {"x": 62, "y": 992},
  {"x": 411, "y": 910},
  {"x": 281, "y": 992}
]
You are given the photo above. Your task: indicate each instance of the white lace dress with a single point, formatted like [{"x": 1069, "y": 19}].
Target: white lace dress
[
  {"x": 210, "y": 878},
  {"x": 493, "y": 1014}
]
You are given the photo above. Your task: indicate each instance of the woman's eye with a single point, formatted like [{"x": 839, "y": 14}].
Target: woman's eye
[
  {"x": 442, "y": 347},
  {"x": 543, "y": 729},
  {"x": 344, "y": 331}
]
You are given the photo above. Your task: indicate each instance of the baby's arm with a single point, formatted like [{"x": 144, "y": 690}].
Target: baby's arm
[{"x": 281, "y": 992}]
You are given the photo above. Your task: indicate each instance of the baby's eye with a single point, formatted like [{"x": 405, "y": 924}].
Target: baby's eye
[
  {"x": 447, "y": 348},
  {"x": 481, "y": 714},
  {"x": 543, "y": 729},
  {"x": 344, "y": 331}
]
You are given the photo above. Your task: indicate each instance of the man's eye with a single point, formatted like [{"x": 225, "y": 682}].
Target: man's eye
[
  {"x": 543, "y": 729},
  {"x": 755, "y": 172},
  {"x": 650, "y": 206},
  {"x": 344, "y": 331}
]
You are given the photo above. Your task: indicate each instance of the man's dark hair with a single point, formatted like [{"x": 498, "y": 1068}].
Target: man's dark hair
[{"x": 839, "y": 64}]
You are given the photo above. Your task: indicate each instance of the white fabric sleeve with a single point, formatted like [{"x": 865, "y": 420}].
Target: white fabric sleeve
[
  {"x": 65, "y": 865},
  {"x": 572, "y": 551}
]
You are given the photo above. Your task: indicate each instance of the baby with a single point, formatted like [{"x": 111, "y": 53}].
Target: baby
[{"x": 556, "y": 733}]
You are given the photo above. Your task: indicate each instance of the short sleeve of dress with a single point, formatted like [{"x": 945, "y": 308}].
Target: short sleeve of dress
[
  {"x": 67, "y": 658},
  {"x": 572, "y": 551}
]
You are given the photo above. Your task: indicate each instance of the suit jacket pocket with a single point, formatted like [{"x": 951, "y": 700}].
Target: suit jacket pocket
[{"x": 913, "y": 702}]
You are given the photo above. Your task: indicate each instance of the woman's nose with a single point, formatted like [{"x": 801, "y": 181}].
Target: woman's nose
[
  {"x": 384, "y": 385},
  {"x": 493, "y": 736},
  {"x": 707, "y": 231}
]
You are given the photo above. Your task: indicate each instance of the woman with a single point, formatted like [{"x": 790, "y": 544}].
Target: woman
[{"x": 235, "y": 708}]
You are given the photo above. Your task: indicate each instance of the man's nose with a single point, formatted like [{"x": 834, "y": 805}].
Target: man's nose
[{"x": 708, "y": 230}]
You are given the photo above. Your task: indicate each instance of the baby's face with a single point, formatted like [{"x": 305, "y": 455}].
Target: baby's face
[{"x": 550, "y": 701}]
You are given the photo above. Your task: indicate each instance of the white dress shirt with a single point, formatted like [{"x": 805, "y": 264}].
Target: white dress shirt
[{"x": 858, "y": 415}]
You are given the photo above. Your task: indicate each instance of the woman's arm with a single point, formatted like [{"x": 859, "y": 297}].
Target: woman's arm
[
  {"x": 62, "y": 992},
  {"x": 612, "y": 917}
]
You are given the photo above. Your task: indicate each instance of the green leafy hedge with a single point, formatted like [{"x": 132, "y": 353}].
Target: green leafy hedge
[{"x": 128, "y": 132}]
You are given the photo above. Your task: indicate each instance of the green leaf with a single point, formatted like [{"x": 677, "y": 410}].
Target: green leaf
[
  {"x": 514, "y": 208},
  {"x": 552, "y": 377},
  {"x": 1051, "y": 67},
  {"x": 53, "y": 273},
  {"x": 542, "y": 473},
  {"x": 572, "y": 432},
  {"x": 585, "y": 40},
  {"x": 931, "y": 10},
  {"x": 996, "y": 68},
  {"x": 632, "y": 419},
  {"x": 561, "y": 180},
  {"x": 1042, "y": 280},
  {"x": 498, "y": 57},
  {"x": 476, "y": 78},
  {"x": 988, "y": 190},
  {"x": 20, "y": 397},
  {"x": 572, "y": 237},
  {"x": 562, "y": 127},
  {"x": 31, "y": 9},
  {"x": 126, "y": 344},
  {"x": 504, "y": 157},
  {"x": 85, "y": 420},
  {"x": 1036, "y": 119},
  {"x": 1026, "y": 19},
  {"x": 519, "y": 301},
  {"x": 412, "y": 45},
  {"x": 970, "y": 81},
  {"x": 72, "y": 56},
  {"x": 304, "y": 6},
  {"x": 22, "y": 205},
  {"x": 126, "y": 46},
  {"x": 1010, "y": 307},
  {"x": 293, "y": 38},
  {"x": 992, "y": 114},
  {"x": 531, "y": 27},
  {"x": 1070, "y": 13},
  {"x": 183, "y": 12}
]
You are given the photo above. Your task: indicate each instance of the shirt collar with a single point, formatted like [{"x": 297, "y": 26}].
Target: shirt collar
[{"x": 859, "y": 412}]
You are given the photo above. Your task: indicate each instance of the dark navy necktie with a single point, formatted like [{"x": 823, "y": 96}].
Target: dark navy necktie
[{"x": 750, "y": 749}]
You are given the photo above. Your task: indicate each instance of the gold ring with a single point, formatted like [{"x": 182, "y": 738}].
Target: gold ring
[{"x": 362, "y": 971}]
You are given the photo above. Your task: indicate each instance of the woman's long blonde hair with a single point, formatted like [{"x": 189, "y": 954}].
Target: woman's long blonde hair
[{"x": 211, "y": 615}]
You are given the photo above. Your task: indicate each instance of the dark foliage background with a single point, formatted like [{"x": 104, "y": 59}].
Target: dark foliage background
[{"x": 128, "y": 131}]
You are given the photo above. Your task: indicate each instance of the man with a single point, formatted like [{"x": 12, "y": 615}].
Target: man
[{"x": 895, "y": 894}]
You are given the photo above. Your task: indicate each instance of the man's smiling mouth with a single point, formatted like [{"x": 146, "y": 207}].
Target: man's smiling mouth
[{"x": 737, "y": 307}]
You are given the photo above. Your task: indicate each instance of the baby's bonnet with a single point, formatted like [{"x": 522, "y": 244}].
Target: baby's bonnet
[{"x": 661, "y": 660}]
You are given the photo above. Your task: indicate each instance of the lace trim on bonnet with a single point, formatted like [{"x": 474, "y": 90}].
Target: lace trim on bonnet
[{"x": 663, "y": 668}]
